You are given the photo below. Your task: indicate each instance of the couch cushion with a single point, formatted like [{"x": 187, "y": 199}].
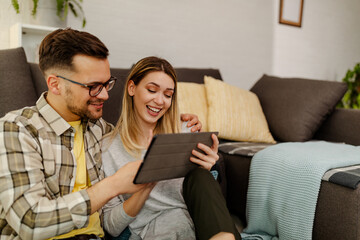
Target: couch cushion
[
  {"x": 192, "y": 99},
  {"x": 191, "y": 90},
  {"x": 235, "y": 113},
  {"x": 15, "y": 80},
  {"x": 295, "y": 108}
]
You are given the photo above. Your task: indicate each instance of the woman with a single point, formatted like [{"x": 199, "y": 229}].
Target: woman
[{"x": 158, "y": 211}]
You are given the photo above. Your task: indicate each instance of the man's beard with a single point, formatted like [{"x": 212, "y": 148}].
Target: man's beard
[{"x": 82, "y": 111}]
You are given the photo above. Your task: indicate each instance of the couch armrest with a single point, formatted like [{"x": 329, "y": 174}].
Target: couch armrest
[
  {"x": 337, "y": 212},
  {"x": 341, "y": 126}
]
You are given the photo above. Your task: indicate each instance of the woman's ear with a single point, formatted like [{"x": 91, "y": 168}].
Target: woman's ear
[
  {"x": 53, "y": 84},
  {"x": 131, "y": 88}
]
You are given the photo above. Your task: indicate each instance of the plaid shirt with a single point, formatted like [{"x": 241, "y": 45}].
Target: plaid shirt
[{"x": 37, "y": 172}]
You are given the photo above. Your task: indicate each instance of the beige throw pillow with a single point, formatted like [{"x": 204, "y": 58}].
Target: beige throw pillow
[
  {"x": 235, "y": 113},
  {"x": 192, "y": 99}
]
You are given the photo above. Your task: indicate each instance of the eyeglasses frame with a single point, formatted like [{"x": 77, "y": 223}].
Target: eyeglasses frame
[{"x": 112, "y": 78}]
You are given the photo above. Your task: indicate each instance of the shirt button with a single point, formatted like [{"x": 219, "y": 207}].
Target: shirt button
[{"x": 71, "y": 176}]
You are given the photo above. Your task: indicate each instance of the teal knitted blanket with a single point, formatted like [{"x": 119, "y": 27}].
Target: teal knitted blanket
[{"x": 284, "y": 184}]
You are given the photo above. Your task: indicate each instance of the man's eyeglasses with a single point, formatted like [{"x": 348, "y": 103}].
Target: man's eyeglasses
[{"x": 96, "y": 88}]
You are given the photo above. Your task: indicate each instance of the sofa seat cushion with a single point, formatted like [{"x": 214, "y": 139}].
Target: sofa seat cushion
[
  {"x": 247, "y": 149},
  {"x": 295, "y": 108},
  {"x": 15, "y": 80},
  {"x": 235, "y": 113},
  {"x": 344, "y": 176}
]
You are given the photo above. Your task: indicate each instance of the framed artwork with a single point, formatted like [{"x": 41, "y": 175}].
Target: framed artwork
[{"x": 291, "y": 12}]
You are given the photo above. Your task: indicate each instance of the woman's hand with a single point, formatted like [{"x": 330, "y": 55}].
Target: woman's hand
[
  {"x": 210, "y": 157},
  {"x": 193, "y": 121}
]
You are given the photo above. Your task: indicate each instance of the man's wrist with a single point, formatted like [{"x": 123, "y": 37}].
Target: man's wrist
[{"x": 102, "y": 192}]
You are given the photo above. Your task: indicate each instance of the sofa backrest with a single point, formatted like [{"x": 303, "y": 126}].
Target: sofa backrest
[
  {"x": 18, "y": 89},
  {"x": 113, "y": 106},
  {"x": 341, "y": 126},
  {"x": 38, "y": 79},
  {"x": 23, "y": 83}
]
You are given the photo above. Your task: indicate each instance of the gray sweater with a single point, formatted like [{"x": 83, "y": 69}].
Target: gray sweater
[{"x": 164, "y": 214}]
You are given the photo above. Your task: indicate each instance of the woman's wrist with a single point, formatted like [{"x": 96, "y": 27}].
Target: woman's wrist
[{"x": 134, "y": 204}]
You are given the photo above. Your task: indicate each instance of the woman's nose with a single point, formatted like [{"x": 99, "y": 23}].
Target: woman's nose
[{"x": 159, "y": 99}]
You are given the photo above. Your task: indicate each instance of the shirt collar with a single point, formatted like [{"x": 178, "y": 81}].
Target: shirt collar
[{"x": 56, "y": 122}]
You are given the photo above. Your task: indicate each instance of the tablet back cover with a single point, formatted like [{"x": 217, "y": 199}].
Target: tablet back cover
[{"x": 168, "y": 156}]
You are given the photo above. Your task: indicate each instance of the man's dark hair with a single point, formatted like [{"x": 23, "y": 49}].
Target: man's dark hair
[{"x": 58, "y": 49}]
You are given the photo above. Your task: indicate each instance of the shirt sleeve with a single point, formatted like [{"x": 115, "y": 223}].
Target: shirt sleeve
[
  {"x": 27, "y": 204},
  {"x": 115, "y": 217},
  {"x": 184, "y": 128}
]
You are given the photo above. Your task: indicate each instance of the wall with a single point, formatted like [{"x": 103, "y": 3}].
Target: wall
[
  {"x": 46, "y": 15},
  {"x": 241, "y": 38},
  {"x": 324, "y": 47},
  {"x": 7, "y": 18},
  {"x": 233, "y": 35}
]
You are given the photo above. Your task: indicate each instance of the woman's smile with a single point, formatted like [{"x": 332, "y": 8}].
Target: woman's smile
[{"x": 154, "y": 111}]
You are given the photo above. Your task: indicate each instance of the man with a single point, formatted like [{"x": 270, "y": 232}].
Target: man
[{"x": 52, "y": 181}]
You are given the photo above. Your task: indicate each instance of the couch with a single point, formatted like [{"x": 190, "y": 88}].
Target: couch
[{"x": 337, "y": 213}]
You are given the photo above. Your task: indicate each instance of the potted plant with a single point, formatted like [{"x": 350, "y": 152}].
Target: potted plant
[
  {"x": 62, "y": 8},
  {"x": 351, "y": 98}
]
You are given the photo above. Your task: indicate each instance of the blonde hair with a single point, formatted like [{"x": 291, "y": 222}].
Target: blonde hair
[{"x": 128, "y": 125}]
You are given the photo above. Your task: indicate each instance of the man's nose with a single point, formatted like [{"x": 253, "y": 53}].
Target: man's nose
[{"x": 104, "y": 95}]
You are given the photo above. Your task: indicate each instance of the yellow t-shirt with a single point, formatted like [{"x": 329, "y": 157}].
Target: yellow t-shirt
[{"x": 82, "y": 182}]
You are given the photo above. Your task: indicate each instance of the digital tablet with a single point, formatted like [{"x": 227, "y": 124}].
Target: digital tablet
[{"x": 168, "y": 156}]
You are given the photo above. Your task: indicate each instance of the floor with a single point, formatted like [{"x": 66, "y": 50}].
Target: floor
[{"x": 238, "y": 223}]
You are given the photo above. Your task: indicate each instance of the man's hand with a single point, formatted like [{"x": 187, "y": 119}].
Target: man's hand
[
  {"x": 125, "y": 177},
  {"x": 193, "y": 121},
  {"x": 120, "y": 182},
  {"x": 134, "y": 204}
]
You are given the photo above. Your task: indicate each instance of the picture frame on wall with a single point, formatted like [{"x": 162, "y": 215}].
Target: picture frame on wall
[{"x": 291, "y": 12}]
